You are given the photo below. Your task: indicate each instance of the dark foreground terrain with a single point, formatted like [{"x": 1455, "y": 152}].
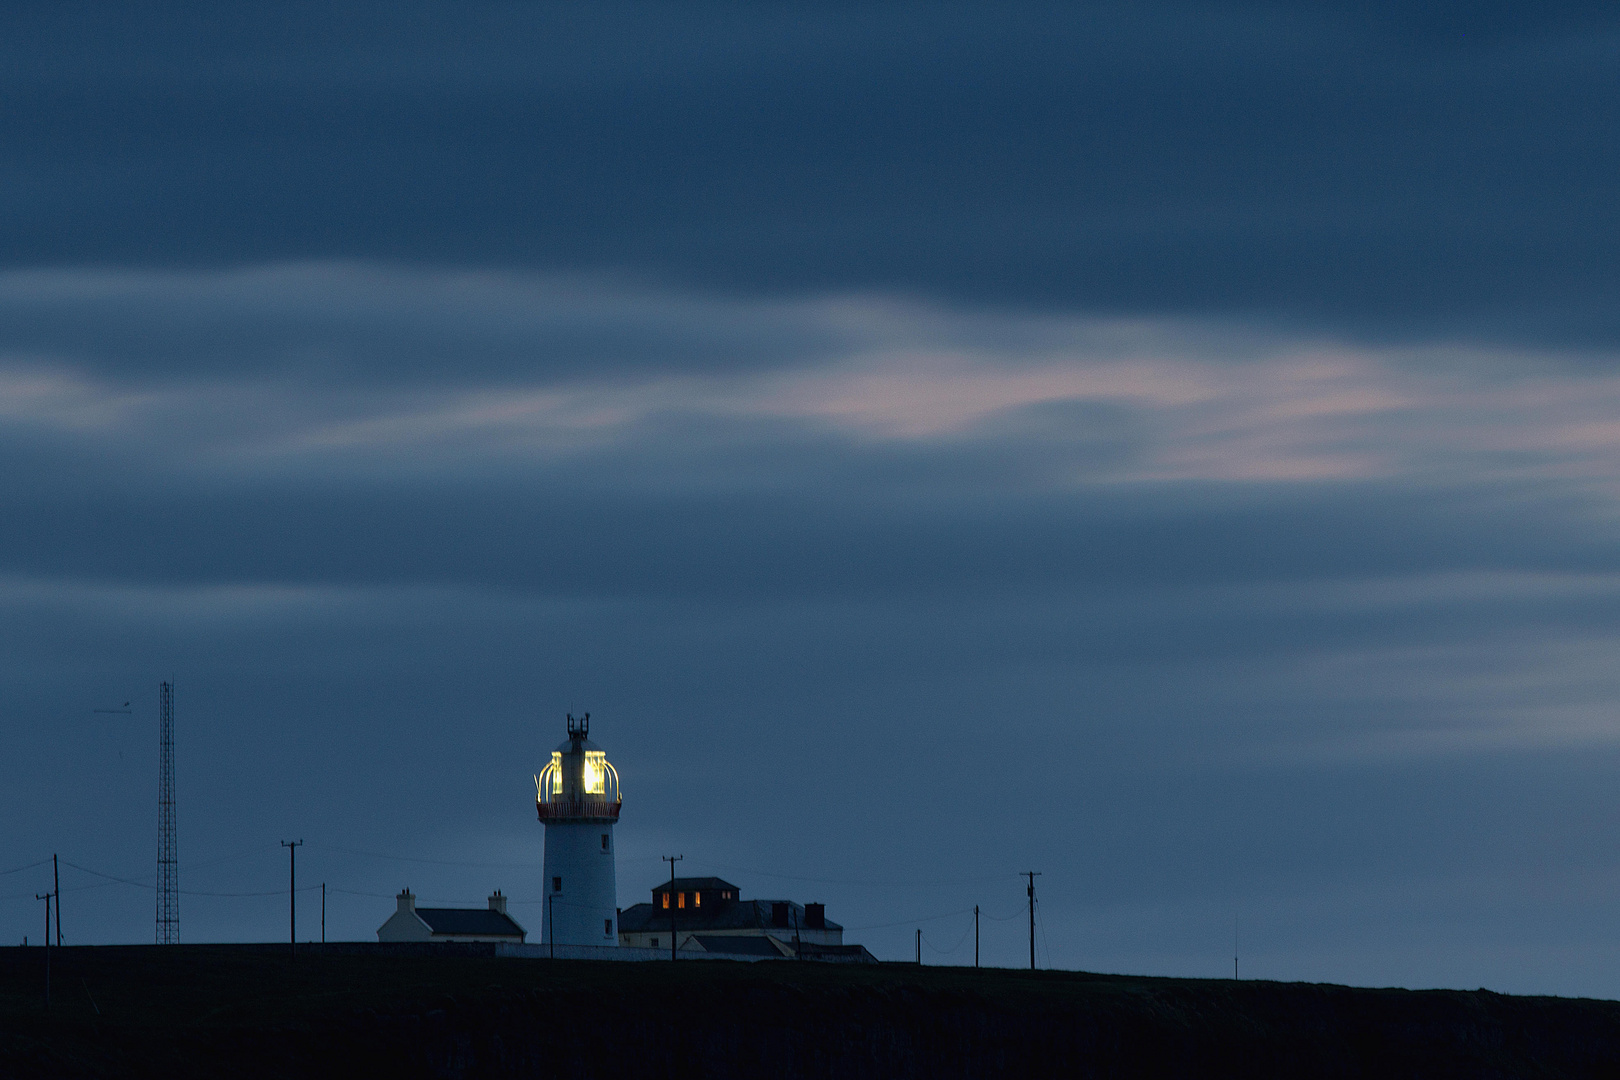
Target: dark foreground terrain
[{"x": 213, "y": 1011}]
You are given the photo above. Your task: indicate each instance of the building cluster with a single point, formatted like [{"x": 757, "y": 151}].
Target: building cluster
[
  {"x": 577, "y": 799},
  {"x": 709, "y": 915}
]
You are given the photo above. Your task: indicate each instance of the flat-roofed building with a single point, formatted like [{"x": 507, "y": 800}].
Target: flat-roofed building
[{"x": 708, "y": 914}]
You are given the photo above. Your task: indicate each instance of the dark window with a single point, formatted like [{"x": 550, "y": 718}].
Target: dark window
[
  {"x": 607, "y": 927},
  {"x": 654, "y": 943},
  {"x": 604, "y": 841},
  {"x": 556, "y": 884}
]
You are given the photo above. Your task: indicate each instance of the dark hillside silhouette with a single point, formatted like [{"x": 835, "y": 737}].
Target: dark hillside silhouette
[{"x": 426, "y": 1011}]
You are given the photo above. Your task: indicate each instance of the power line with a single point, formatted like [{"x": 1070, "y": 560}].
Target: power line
[
  {"x": 110, "y": 877},
  {"x": 716, "y": 865},
  {"x": 953, "y": 948},
  {"x": 114, "y": 878},
  {"x": 385, "y": 896},
  {"x": 20, "y": 869},
  {"x": 432, "y": 862},
  {"x": 908, "y": 922},
  {"x": 864, "y": 884},
  {"x": 144, "y": 885},
  {"x": 260, "y": 850},
  {"x": 1019, "y": 914},
  {"x": 423, "y": 899},
  {"x": 99, "y": 885}
]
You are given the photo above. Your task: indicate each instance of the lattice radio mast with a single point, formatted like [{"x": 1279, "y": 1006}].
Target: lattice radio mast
[{"x": 168, "y": 875}]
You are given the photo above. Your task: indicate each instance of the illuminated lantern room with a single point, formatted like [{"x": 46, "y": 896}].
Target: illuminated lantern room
[{"x": 579, "y": 783}]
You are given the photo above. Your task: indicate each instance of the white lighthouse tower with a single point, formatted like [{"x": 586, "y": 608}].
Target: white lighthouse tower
[{"x": 577, "y": 795}]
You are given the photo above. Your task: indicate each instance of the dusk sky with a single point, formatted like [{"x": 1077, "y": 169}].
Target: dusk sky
[{"x": 1171, "y": 447}]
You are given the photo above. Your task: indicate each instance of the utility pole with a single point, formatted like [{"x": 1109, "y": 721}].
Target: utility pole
[
  {"x": 975, "y": 935},
  {"x": 551, "y": 923},
  {"x": 670, "y": 900},
  {"x": 919, "y": 946},
  {"x": 1032, "y": 875},
  {"x": 56, "y": 889},
  {"x": 323, "y": 913},
  {"x": 47, "y": 898},
  {"x": 292, "y": 892}
]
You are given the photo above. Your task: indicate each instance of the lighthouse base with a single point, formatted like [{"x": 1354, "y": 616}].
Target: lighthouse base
[{"x": 581, "y": 888}]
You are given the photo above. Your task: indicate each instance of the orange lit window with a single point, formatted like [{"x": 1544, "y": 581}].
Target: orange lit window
[
  {"x": 680, "y": 899},
  {"x": 666, "y": 899},
  {"x": 697, "y": 899}
]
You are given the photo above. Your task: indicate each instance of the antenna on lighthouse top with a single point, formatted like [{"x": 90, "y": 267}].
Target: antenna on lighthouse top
[{"x": 579, "y": 728}]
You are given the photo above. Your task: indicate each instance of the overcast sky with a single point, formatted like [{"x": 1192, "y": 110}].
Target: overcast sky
[{"x": 1171, "y": 447}]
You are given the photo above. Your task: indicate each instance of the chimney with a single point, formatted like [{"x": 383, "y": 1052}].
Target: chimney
[
  {"x": 407, "y": 902},
  {"x": 779, "y": 912},
  {"x": 815, "y": 916},
  {"x": 497, "y": 902}
]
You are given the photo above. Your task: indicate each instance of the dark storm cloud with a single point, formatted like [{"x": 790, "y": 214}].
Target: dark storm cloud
[
  {"x": 588, "y": 537},
  {"x": 1359, "y": 166}
]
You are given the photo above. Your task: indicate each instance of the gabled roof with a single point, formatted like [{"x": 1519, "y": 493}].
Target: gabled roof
[
  {"x": 465, "y": 921},
  {"x": 855, "y": 954},
  {"x": 737, "y": 945}
]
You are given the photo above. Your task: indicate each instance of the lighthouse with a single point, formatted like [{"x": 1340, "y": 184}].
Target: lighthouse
[{"x": 577, "y": 796}]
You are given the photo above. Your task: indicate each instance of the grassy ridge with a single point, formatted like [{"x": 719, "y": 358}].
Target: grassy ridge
[{"x": 252, "y": 1011}]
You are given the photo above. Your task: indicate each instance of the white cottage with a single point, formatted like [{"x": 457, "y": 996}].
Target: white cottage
[{"x": 412, "y": 923}]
